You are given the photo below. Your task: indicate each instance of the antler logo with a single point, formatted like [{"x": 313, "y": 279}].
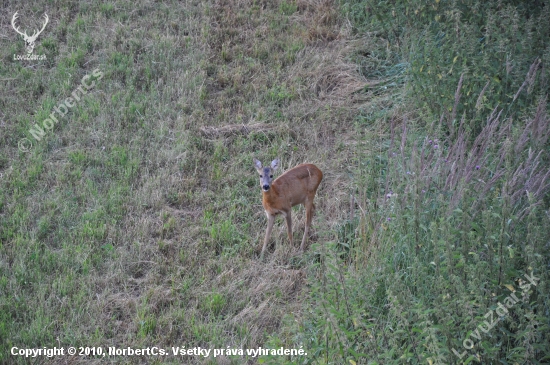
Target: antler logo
[{"x": 29, "y": 40}]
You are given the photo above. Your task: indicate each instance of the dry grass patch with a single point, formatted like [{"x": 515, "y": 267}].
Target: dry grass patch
[{"x": 240, "y": 129}]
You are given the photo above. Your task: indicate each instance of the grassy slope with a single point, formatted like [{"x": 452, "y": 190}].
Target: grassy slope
[{"x": 124, "y": 225}]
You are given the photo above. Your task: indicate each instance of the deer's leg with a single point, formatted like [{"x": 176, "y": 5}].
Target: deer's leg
[
  {"x": 309, "y": 215},
  {"x": 288, "y": 217},
  {"x": 270, "y": 221}
]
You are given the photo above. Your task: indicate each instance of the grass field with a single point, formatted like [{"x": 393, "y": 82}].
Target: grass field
[{"x": 131, "y": 216}]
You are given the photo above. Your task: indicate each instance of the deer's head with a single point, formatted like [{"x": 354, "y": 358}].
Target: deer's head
[{"x": 266, "y": 173}]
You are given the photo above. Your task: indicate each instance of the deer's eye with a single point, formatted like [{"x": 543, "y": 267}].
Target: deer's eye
[
  {"x": 261, "y": 176},
  {"x": 271, "y": 176}
]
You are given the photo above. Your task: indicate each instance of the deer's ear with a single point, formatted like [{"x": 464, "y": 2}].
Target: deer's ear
[
  {"x": 275, "y": 164},
  {"x": 257, "y": 165}
]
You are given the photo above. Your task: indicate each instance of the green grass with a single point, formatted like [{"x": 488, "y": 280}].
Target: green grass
[{"x": 127, "y": 225}]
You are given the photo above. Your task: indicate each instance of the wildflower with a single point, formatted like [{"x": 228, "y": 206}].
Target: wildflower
[
  {"x": 477, "y": 167},
  {"x": 436, "y": 146}
]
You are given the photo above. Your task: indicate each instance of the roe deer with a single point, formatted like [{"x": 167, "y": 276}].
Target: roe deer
[{"x": 296, "y": 186}]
